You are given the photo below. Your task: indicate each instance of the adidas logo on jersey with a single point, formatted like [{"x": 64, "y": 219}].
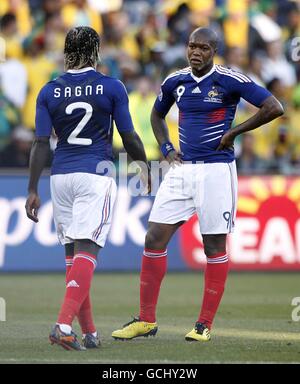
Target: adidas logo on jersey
[
  {"x": 72, "y": 284},
  {"x": 196, "y": 90}
]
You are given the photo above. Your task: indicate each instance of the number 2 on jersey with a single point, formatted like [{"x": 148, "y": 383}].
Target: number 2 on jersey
[{"x": 73, "y": 139}]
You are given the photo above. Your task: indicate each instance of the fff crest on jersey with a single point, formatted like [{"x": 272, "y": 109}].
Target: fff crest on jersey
[
  {"x": 213, "y": 93},
  {"x": 213, "y": 96}
]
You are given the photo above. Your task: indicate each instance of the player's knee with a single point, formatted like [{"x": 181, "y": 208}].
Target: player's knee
[
  {"x": 152, "y": 241},
  {"x": 214, "y": 244},
  {"x": 213, "y": 249},
  {"x": 86, "y": 245}
]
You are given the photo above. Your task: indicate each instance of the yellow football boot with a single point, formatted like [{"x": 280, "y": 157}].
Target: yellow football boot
[
  {"x": 199, "y": 333},
  {"x": 135, "y": 328}
]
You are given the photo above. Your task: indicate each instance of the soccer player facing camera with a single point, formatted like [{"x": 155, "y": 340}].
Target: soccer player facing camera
[
  {"x": 204, "y": 179},
  {"x": 81, "y": 105}
]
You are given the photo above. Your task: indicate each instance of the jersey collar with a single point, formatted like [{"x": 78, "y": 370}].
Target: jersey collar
[
  {"x": 82, "y": 70},
  {"x": 198, "y": 79}
]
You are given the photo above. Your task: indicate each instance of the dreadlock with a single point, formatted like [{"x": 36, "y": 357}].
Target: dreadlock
[{"x": 81, "y": 48}]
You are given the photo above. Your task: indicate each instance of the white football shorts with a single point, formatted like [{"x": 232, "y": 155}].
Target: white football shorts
[
  {"x": 82, "y": 206},
  {"x": 208, "y": 189}
]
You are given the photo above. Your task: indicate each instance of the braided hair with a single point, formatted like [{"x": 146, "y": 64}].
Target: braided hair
[{"x": 81, "y": 48}]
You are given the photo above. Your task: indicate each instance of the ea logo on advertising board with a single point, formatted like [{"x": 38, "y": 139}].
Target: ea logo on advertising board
[{"x": 267, "y": 230}]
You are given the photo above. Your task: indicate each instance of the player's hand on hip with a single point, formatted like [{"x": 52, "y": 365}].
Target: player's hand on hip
[
  {"x": 32, "y": 206},
  {"x": 227, "y": 141},
  {"x": 174, "y": 158}
]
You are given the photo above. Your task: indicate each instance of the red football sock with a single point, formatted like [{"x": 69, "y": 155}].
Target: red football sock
[
  {"x": 215, "y": 278},
  {"x": 154, "y": 266},
  {"x": 85, "y": 315},
  {"x": 78, "y": 286}
]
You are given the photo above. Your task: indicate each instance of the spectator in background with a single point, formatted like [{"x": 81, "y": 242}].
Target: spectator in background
[
  {"x": 47, "y": 9},
  {"x": 40, "y": 69},
  {"x": 17, "y": 153},
  {"x": 161, "y": 58},
  {"x": 105, "y": 5},
  {"x": 20, "y": 9},
  {"x": 55, "y": 33},
  {"x": 51, "y": 7},
  {"x": 248, "y": 163},
  {"x": 147, "y": 38},
  {"x": 13, "y": 72},
  {"x": 236, "y": 24},
  {"x": 9, "y": 32},
  {"x": 292, "y": 27},
  {"x": 129, "y": 71},
  {"x": 255, "y": 68},
  {"x": 236, "y": 58},
  {"x": 140, "y": 102},
  {"x": 78, "y": 12},
  {"x": 294, "y": 121},
  {"x": 293, "y": 22},
  {"x": 179, "y": 25},
  {"x": 283, "y": 144},
  {"x": 278, "y": 89},
  {"x": 264, "y": 28},
  {"x": 149, "y": 35},
  {"x": 13, "y": 75},
  {"x": 121, "y": 50},
  {"x": 9, "y": 117},
  {"x": 120, "y": 37},
  {"x": 276, "y": 65}
]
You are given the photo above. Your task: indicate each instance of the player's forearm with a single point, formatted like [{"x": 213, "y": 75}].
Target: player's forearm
[
  {"x": 270, "y": 110},
  {"x": 38, "y": 159},
  {"x": 160, "y": 128},
  {"x": 134, "y": 146}
]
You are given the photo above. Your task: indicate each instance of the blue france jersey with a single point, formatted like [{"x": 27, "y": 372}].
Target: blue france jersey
[
  {"x": 207, "y": 107},
  {"x": 81, "y": 107}
]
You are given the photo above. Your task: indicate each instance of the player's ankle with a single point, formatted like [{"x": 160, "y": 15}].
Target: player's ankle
[
  {"x": 95, "y": 334},
  {"x": 147, "y": 319},
  {"x": 65, "y": 328}
]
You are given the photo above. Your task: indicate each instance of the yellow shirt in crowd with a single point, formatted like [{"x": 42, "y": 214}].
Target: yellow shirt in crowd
[
  {"x": 22, "y": 11},
  {"x": 73, "y": 17},
  {"x": 39, "y": 71}
]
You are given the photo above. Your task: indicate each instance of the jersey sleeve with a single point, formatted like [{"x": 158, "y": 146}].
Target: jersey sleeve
[
  {"x": 244, "y": 87},
  {"x": 121, "y": 114},
  {"x": 165, "y": 99},
  {"x": 43, "y": 122}
]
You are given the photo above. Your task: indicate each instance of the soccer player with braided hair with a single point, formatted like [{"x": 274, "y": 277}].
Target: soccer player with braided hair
[
  {"x": 81, "y": 48},
  {"x": 81, "y": 106}
]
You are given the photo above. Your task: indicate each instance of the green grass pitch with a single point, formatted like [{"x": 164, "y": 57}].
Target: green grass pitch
[{"x": 253, "y": 324}]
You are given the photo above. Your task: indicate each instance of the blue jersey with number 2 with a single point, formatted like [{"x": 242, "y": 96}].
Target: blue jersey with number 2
[{"x": 81, "y": 107}]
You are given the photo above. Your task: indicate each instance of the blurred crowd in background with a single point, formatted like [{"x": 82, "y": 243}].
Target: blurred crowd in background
[{"x": 142, "y": 42}]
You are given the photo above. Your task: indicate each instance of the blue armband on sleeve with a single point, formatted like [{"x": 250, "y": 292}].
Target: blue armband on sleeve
[{"x": 166, "y": 148}]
